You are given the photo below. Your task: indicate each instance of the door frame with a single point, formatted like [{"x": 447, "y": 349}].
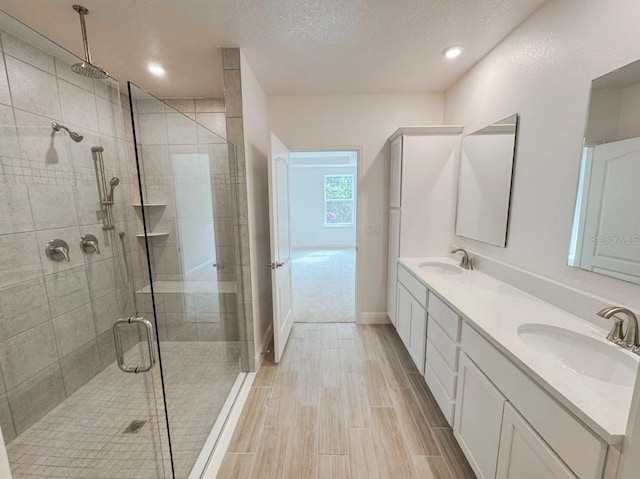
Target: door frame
[{"x": 359, "y": 149}]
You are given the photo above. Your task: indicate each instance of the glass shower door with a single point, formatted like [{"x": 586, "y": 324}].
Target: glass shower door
[
  {"x": 189, "y": 224},
  {"x": 67, "y": 410}
]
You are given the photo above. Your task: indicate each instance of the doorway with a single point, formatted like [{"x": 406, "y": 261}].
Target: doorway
[{"x": 323, "y": 209}]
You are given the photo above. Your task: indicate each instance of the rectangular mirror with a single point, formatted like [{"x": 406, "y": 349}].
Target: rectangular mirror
[
  {"x": 606, "y": 229},
  {"x": 484, "y": 182}
]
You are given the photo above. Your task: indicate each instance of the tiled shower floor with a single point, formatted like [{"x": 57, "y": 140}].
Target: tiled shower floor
[{"x": 84, "y": 437}]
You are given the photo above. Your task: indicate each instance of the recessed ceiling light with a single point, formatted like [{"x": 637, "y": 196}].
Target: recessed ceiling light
[
  {"x": 452, "y": 52},
  {"x": 157, "y": 70}
]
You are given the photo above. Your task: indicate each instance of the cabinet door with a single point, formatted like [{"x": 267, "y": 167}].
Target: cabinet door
[
  {"x": 395, "y": 190},
  {"x": 403, "y": 319},
  {"x": 478, "y": 418},
  {"x": 418, "y": 334},
  {"x": 394, "y": 254},
  {"x": 524, "y": 454}
]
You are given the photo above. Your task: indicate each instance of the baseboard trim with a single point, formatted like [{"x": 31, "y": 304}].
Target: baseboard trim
[
  {"x": 373, "y": 318},
  {"x": 264, "y": 345}
]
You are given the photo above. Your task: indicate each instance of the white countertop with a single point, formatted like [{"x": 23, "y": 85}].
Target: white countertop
[{"x": 496, "y": 310}]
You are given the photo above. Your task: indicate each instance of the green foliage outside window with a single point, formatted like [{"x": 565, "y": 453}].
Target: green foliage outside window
[{"x": 338, "y": 200}]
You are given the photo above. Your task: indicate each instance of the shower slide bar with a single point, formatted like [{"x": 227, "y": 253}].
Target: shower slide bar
[{"x": 105, "y": 201}]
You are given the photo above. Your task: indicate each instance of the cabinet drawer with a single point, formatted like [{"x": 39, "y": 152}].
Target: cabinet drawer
[
  {"x": 445, "y": 316},
  {"x": 439, "y": 366},
  {"x": 443, "y": 343},
  {"x": 447, "y": 406},
  {"x": 572, "y": 441},
  {"x": 415, "y": 287}
]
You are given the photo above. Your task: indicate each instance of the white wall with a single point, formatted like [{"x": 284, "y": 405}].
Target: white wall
[
  {"x": 256, "y": 149},
  {"x": 543, "y": 71},
  {"x": 306, "y": 191},
  {"x": 341, "y": 121}
]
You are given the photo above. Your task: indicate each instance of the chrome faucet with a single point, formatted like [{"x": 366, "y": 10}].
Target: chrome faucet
[
  {"x": 630, "y": 340},
  {"x": 466, "y": 262}
]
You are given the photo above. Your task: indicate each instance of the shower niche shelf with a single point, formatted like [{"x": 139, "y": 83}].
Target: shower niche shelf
[
  {"x": 150, "y": 205},
  {"x": 153, "y": 235}
]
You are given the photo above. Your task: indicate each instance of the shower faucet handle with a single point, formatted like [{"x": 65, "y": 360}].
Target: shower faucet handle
[
  {"x": 57, "y": 250},
  {"x": 89, "y": 244}
]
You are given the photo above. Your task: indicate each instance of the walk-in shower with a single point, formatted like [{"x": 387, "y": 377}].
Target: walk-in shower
[{"x": 145, "y": 213}]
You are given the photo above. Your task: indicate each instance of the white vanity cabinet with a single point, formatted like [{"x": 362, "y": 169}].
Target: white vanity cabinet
[
  {"x": 524, "y": 454},
  {"x": 497, "y": 441},
  {"x": 443, "y": 346},
  {"x": 479, "y": 411},
  {"x": 430, "y": 331},
  {"x": 403, "y": 314},
  {"x": 508, "y": 424},
  {"x": 411, "y": 316},
  {"x": 421, "y": 196},
  {"x": 549, "y": 431}
]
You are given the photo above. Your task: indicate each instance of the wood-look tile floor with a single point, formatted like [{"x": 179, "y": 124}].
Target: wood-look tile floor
[{"x": 346, "y": 401}]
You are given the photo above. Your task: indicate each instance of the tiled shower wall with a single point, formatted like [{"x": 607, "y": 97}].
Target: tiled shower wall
[
  {"x": 232, "y": 76},
  {"x": 209, "y": 112},
  {"x": 56, "y": 317}
]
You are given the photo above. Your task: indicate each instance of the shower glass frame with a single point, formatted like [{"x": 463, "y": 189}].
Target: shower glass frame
[{"x": 188, "y": 184}]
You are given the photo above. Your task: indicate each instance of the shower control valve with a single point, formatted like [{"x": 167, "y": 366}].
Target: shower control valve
[
  {"x": 89, "y": 244},
  {"x": 57, "y": 250}
]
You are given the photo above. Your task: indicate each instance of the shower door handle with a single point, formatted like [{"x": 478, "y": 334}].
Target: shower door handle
[{"x": 120, "y": 351}]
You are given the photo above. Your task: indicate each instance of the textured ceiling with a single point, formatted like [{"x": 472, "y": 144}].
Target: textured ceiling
[{"x": 296, "y": 47}]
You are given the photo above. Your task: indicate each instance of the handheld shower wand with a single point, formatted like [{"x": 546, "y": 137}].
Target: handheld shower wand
[{"x": 115, "y": 181}]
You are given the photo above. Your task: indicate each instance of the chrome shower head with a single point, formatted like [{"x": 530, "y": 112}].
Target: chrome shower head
[
  {"x": 89, "y": 70},
  {"x": 74, "y": 136},
  {"x": 86, "y": 68},
  {"x": 115, "y": 181}
]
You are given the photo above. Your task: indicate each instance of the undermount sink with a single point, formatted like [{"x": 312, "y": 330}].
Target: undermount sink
[
  {"x": 442, "y": 268},
  {"x": 581, "y": 354}
]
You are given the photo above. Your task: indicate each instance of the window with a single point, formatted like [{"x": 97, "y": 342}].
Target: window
[{"x": 339, "y": 202}]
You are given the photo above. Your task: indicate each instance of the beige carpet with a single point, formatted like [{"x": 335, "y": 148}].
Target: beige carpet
[{"x": 324, "y": 285}]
